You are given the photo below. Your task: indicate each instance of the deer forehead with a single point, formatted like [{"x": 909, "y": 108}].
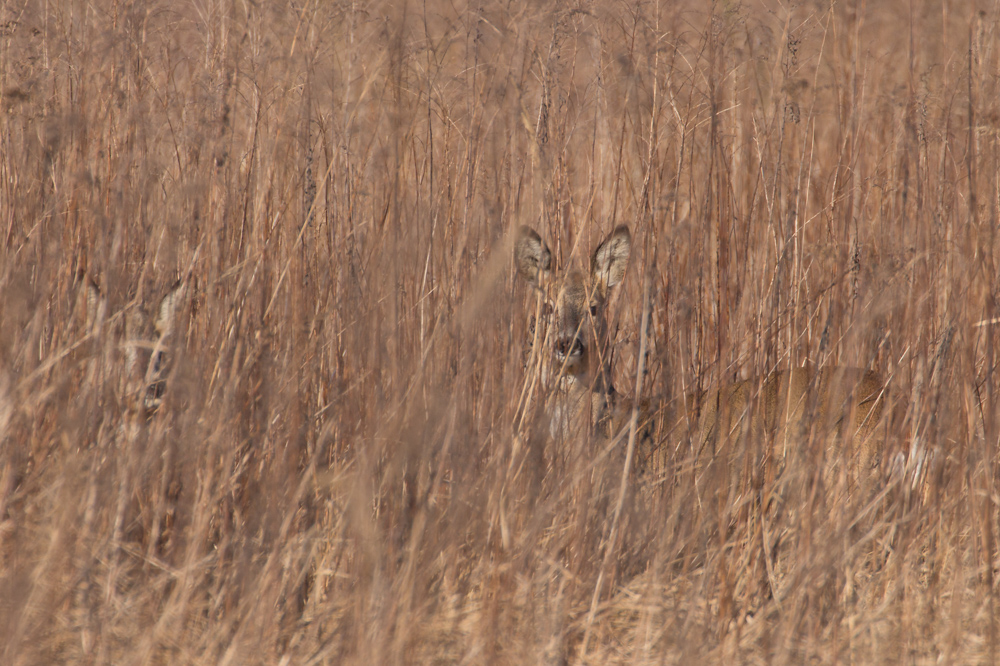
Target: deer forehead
[{"x": 572, "y": 291}]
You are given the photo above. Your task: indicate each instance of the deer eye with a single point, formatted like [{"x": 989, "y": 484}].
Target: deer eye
[{"x": 593, "y": 310}]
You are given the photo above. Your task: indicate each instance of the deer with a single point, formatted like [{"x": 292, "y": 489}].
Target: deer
[
  {"x": 145, "y": 344},
  {"x": 781, "y": 405}
]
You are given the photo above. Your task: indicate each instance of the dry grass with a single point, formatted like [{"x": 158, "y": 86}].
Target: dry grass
[{"x": 340, "y": 472}]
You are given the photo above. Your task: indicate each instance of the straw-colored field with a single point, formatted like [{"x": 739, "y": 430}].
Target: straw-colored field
[{"x": 350, "y": 465}]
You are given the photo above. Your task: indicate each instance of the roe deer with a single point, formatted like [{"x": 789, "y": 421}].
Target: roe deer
[
  {"x": 782, "y": 404},
  {"x": 145, "y": 343},
  {"x": 574, "y": 308}
]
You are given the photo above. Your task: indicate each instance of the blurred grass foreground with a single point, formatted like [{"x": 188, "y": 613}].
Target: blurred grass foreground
[{"x": 330, "y": 455}]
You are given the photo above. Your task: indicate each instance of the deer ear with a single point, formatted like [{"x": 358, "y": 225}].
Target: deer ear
[
  {"x": 531, "y": 255},
  {"x": 167, "y": 310},
  {"x": 96, "y": 304},
  {"x": 611, "y": 258}
]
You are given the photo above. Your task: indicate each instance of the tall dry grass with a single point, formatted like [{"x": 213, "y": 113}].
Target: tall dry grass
[{"x": 344, "y": 469}]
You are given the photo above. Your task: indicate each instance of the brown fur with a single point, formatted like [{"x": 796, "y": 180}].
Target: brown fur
[
  {"x": 784, "y": 405},
  {"x": 145, "y": 343}
]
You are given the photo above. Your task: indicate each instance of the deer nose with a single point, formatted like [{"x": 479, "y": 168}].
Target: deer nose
[{"x": 569, "y": 349}]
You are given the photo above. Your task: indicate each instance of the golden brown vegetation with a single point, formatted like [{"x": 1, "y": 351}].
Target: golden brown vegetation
[{"x": 344, "y": 467}]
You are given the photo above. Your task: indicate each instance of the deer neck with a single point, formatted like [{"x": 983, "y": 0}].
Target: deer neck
[{"x": 583, "y": 395}]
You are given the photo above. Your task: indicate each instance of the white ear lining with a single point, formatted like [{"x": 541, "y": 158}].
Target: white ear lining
[
  {"x": 531, "y": 255},
  {"x": 611, "y": 258}
]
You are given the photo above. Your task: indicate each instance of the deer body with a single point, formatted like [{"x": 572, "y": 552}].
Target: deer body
[{"x": 783, "y": 405}]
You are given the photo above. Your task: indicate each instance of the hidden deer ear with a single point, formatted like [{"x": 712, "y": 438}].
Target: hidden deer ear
[
  {"x": 166, "y": 312},
  {"x": 95, "y": 303},
  {"x": 611, "y": 258},
  {"x": 531, "y": 255}
]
